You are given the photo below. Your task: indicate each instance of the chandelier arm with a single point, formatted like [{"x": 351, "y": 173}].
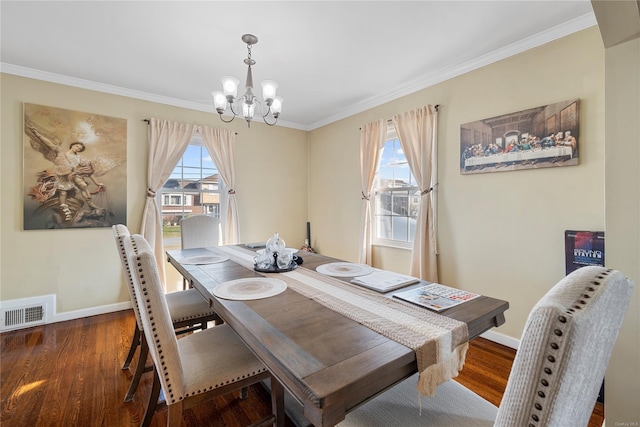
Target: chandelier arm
[
  {"x": 227, "y": 121},
  {"x": 264, "y": 119},
  {"x": 231, "y": 107},
  {"x": 268, "y": 111}
]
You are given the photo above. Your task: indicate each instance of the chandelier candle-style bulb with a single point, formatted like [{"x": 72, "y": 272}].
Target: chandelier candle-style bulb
[
  {"x": 269, "y": 88},
  {"x": 228, "y": 97},
  {"x": 230, "y": 87},
  {"x": 219, "y": 101},
  {"x": 276, "y": 106},
  {"x": 247, "y": 111}
]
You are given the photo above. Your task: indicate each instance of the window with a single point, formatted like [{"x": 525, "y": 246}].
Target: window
[
  {"x": 193, "y": 188},
  {"x": 396, "y": 197}
]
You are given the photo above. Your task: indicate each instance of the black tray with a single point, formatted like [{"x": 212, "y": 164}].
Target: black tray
[{"x": 274, "y": 267}]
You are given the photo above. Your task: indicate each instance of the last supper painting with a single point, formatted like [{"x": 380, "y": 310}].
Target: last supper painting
[
  {"x": 540, "y": 137},
  {"x": 74, "y": 169}
]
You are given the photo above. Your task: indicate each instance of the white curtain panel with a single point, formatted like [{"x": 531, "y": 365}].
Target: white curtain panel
[
  {"x": 417, "y": 133},
  {"x": 167, "y": 142},
  {"x": 221, "y": 147},
  {"x": 372, "y": 139}
]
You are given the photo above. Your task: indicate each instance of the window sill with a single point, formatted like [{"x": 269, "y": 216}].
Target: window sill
[{"x": 394, "y": 245}]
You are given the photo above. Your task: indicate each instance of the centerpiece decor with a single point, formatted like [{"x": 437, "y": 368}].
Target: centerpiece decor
[{"x": 275, "y": 257}]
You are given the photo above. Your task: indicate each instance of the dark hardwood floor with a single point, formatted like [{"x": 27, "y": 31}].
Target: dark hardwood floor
[{"x": 68, "y": 374}]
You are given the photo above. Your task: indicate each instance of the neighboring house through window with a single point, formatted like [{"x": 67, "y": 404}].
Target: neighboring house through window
[{"x": 397, "y": 198}]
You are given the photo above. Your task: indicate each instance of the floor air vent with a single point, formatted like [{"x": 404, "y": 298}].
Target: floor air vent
[{"x": 26, "y": 312}]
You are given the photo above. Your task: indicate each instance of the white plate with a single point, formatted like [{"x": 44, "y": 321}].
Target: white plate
[
  {"x": 204, "y": 259},
  {"x": 344, "y": 269},
  {"x": 292, "y": 250},
  {"x": 250, "y": 288}
]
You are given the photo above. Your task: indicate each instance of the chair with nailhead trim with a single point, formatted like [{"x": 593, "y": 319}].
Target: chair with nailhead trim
[
  {"x": 198, "y": 231},
  {"x": 188, "y": 311},
  {"x": 556, "y": 375},
  {"x": 198, "y": 367}
]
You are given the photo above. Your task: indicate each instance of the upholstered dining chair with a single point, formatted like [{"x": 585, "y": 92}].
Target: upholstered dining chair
[
  {"x": 197, "y": 367},
  {"x": 198, "y": 231},
  {"x": 556, "y": 374},
  {"x": 187, "y": 309}
]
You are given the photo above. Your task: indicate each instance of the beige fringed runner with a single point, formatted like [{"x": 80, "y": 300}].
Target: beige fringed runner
[{"x": 440, "y": 343}]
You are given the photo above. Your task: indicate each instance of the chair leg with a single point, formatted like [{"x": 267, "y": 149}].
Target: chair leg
[
  {"x": 153, "y": 401},
  {"x": 135, "y": 342},
  {"x": 277, "y": 401},
  {"x": 174, "y": 414},
  {"x": 140, "y": 369},
  {"x": 244, "y": 393}
]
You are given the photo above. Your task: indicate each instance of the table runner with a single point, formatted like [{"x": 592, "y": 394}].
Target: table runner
[{"x": 440, "y": 343}]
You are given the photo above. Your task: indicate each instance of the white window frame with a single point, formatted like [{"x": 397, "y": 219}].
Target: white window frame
[{"x": 376, "y": 240}]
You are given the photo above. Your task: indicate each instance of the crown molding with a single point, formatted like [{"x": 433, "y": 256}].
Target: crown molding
[
  {"x": 557, "y": 32},
  {"x": 443, "y": 74},
  {"x": 117, "y": 90}
]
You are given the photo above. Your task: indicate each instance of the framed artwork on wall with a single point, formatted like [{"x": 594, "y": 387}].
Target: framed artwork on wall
[
  {"x": 540, "y": 137},
  {"x": 74, "y": 169}
]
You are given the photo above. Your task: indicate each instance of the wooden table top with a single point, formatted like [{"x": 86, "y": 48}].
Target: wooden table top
[{"x": 329, "y": 363}]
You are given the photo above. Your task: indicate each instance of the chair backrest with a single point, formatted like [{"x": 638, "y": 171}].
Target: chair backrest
[
  {"x": 155, "y": 317},
  {"x": 121, "y": 233},
  {"x": 565, "y": 349},
  {"x": 199, "y": 231}
]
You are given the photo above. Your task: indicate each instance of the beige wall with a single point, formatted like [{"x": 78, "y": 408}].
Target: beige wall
[
  {"x": 500, "y": 234},
  {"x": 82, "y": 266},
  {"x": 622, "y": 385}
]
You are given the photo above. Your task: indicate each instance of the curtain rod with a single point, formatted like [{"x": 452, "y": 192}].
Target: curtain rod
[
  {"x": 148, "y": 121},
  {"x": 391, "y": 120}
]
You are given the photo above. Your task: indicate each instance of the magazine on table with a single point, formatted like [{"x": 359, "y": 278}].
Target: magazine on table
[
  {"x": 435, "y": 296},
  {"x": 384, "y": 281}
]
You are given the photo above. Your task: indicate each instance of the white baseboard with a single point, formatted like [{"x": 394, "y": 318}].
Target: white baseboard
[
  {"x": 502, "y": 339},
  {"x": 93, "y": 311}
]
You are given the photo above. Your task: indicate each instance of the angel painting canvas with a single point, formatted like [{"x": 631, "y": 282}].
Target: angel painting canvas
[{"x": 74, "y": 169}]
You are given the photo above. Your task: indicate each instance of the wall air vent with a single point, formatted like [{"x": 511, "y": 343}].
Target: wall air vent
[{"x": 26, "y": 312}]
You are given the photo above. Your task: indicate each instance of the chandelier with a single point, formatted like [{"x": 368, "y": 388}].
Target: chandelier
[{"x": 246, "y": 104}]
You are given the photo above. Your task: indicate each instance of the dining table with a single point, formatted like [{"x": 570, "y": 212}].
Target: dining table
[{"x": 324, "y": 338}]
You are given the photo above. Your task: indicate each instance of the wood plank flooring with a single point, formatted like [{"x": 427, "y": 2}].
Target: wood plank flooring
[{"x": 68, "y": 374}]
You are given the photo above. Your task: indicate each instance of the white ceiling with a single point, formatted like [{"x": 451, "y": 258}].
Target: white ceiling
[{"x": 332, "y": 59}]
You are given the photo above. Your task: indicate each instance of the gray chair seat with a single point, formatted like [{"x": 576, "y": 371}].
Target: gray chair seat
[
  {"x": 556, "y": 375},
  {"x": 453, "y": 405},
  {"x": 187, "y": 306},
  {"x": 230, "y": 363}
]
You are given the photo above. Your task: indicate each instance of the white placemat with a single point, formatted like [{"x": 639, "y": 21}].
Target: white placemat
[
  {"x": 344, "y": 269},
  {"x": 250, "y": 288},
  {"x": 204, "y": 259},
  {"x": 440, "y": 342}
]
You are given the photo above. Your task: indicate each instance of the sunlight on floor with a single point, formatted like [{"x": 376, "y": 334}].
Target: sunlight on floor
[{"x": 27, "y": 388}]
